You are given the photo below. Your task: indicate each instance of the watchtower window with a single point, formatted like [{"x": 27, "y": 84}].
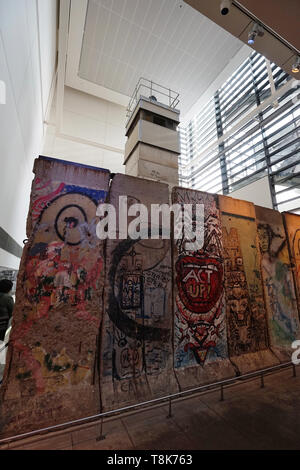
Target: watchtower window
[{"x": 160, "y": 121}]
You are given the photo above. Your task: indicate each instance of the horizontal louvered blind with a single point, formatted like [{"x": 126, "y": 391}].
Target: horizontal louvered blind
[{"x": 266, "y": 144}]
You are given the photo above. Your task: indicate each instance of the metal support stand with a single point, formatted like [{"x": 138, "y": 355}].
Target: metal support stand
[
  {"x": 262, "y": 383},
  {"x": 102, "y": 436},
  {"x": 222, "y": 393},
  {"x": 170, "y": 409},
  {"x": 294, "y": 371}
]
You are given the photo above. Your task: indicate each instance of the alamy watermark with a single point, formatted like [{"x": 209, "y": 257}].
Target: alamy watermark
[{"x": 135, "y": 222}]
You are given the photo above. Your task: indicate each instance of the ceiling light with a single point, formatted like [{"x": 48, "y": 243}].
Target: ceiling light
[
  {"x": 225, "y": 7},
  {"x": 296, "y": 66},
  {"x": 255, "y": 31},
  {"x": 251, "y": 38}
]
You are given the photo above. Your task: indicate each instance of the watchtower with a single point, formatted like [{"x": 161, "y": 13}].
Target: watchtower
[{"x": 153, "y": 143}]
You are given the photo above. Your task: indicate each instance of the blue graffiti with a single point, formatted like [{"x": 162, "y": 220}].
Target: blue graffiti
[{"x": 96, "y": 195}]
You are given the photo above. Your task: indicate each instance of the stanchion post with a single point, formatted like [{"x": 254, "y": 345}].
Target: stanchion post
[
  {"x": 170, "y": 408},
  {"x": 101, "y": 436},
  {"x": 222, "y": 393},
  {"x": 262, "y": 383},
  {"x": 294, "y": 371}
]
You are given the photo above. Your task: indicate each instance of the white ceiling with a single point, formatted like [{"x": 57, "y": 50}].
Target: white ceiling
[
  {"x": 166, "y": 41},
  {"x": 279, "y": 19}
]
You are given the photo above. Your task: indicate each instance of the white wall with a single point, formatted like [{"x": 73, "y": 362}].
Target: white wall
[
  {"x": 27, "y": 68},
  {"x": 257, "y": 192},
  {"x": 93, "y": 131},
  {"x": 47, "y": 14}
]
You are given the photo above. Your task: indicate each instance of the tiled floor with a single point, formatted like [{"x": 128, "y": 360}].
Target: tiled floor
[{"x": 249, "y": 418}]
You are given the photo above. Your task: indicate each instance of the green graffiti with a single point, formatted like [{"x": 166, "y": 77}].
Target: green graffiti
[{"x": 284, "y": 337}]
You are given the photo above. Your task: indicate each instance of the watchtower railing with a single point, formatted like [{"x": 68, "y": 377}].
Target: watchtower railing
[{"x": 152, "y": 91}]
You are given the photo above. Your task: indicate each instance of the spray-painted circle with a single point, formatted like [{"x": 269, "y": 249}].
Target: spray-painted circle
[
  {"x": 69, "y": 217},
  {"x": 67, "y": 223}
]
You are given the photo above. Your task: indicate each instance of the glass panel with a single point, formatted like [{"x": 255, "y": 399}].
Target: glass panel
[{"x": 221, "y": 151}]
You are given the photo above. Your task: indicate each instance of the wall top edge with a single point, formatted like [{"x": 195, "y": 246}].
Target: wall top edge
[{"x": 66, "y": 162}]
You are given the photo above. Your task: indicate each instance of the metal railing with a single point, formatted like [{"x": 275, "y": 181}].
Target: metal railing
[
  {"x": 168, "y": 398},
  {"x": 157, "y": 93}
]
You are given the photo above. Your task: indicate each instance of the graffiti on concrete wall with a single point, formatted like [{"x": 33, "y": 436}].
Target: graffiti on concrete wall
[
  {"x": 292, "y": 224},
  {"x": 137, "y": 328},
  {"x": 140, "y": 276},
  {"x": 245, "y": 310},
  {"x": 62, "y": 269},
  {"x": 278, "y": 283},
  {"x": 200, "y": 330},
  {"x": 296, "y": 252}
]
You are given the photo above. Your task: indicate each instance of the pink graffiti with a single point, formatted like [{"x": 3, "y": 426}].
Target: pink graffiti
[
  {"x": 51, "y": 280},
  {"x": 38, "y": 181},
  {"x": 43, "y": 201},
  {"x": 201, "y": 332}
]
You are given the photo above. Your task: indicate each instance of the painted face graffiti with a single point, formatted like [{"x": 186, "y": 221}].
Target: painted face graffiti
[
  {"x": 245, "y": 312},
  {"x": 280, "y": 296},
  {"x": 263, "y": 237},
  {"x": 199, "y": 331},
  {"x": 238, "y": 305}
]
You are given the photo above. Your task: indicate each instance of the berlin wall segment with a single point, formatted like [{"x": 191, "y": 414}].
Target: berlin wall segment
[
  {"x": 137, "y": 353},
  {"x": 200, "y": 338},
  {"x": 278, "y": 283},
  {"x": 292, "y": 225},
  {"x": 51, "y": 369},
  {"x": 248, "y": 341}
]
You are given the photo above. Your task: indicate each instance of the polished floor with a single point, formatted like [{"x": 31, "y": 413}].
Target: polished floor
[{"x": 250, "y": 417}]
